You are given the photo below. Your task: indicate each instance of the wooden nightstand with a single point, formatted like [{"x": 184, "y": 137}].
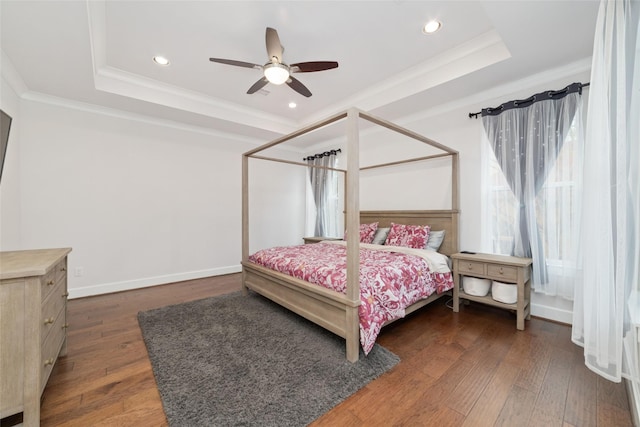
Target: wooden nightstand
[
  {"x": 316, "y": 239},
  {"x": 501, "y": 268}
]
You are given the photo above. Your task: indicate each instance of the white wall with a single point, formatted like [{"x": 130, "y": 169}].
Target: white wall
[
  {"x": 10, "y": 209},
  {"x": 140, "y": 202},
  {"x": 276, "y": 202}
]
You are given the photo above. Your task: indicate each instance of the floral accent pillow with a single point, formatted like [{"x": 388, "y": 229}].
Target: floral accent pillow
[
  {"x": 367, "y": 231},
  {"x": 408, "y": 236}
]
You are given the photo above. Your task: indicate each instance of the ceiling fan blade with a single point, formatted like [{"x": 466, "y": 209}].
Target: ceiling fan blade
[
  {"x": 308, "y": 67},
  {"x": 258, "y": 85},
  {"x": 274, "y": 47},
  {"x": 298, "y": 87},
  {"x": 236, "y": 63}
]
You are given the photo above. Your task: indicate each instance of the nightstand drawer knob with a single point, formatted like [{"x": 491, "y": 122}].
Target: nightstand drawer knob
[
  {"x": 470, "y": 266},
  {"x": 48, "y": 362},
  {"x": 48, "y": 321},
  {"x": 501, "y": 271},
  {"x": 50, "y": 283}
]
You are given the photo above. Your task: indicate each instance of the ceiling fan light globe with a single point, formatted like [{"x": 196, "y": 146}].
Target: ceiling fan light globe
[{"x": 276, "y": 73}]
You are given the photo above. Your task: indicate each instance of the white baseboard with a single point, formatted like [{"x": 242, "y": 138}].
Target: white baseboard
[
  {"x": 552, "y": 313},
  {"x": 107, "y": 288}
]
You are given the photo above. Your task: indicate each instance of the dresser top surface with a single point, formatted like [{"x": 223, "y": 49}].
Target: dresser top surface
[{"x": 28, "y": 263}]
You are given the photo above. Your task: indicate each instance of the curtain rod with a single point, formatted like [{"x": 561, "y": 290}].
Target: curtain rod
[
  {"x": 549, "y": 94},
  {"x": 321, "y": 155}
]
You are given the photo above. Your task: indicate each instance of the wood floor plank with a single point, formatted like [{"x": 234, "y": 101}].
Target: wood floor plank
[
  {"x": 533, "y": 375},
  {"x": 612, "y": 404},
  {"x": 472, "y": 386},
  {"x": 612, "y": 393},
  {"x": 550, "y": 403},
  {"x": 582, "y": 390},
  {"x": 613, "y": 415},
  {"x": 487, "y": 408},
  {"x": 517, "y": 409},
  {"x": 430, "y": 415},
  {"x": 470, "y": 368}
]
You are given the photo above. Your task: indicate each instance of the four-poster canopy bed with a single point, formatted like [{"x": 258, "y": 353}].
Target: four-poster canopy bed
[{"x": 333, "y": 310}]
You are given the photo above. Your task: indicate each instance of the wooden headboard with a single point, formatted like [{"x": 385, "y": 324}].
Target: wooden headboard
[{"x": 438, "y": 220}]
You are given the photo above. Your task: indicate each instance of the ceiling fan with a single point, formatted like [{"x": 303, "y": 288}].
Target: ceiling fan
[{"x": 277, "y": 72}]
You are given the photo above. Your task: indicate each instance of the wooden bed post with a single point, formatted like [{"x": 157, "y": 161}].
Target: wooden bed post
[
  {"x": 353, "y": 234},
  {"x": 455, "y": 200},
  {"x": 245, "y": 216}
]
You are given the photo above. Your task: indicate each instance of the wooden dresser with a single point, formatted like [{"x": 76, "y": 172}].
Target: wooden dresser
[{"x": 33, "y": 311}]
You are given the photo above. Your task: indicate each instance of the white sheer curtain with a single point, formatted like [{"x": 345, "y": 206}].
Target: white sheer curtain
[
  {"x": 535, "y": 175},
  {"x": 610, "y": 237},
  {"x": 322, "y": 197}
]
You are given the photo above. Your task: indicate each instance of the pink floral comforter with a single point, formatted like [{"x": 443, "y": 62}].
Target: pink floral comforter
[{"x": 391, "y": 278}]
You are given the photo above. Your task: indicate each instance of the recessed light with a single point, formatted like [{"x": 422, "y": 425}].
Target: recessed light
[
  {"x": 161, "y": 60},
  {"x": 292, "y": 105},
  {"x": 431, "y": 27}
]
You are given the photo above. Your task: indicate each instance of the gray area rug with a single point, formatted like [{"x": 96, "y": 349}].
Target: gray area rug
[{"x": 240, "y": 360}]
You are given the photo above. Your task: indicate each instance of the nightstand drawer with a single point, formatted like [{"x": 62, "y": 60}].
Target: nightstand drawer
[
  {"x": 471, "y": 267},
  {"x": 502, "y": 273}
]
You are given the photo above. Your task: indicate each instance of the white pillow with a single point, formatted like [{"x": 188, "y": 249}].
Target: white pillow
[
  {"x": 380, "y": 236},
  {"x": 435, "y": 240}
]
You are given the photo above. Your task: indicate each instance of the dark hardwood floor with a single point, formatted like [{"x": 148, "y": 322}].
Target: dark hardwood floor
[{"x": 469, "y": 368}]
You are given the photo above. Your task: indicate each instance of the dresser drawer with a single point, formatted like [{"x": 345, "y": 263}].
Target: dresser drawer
[
  {"x": 51, "y": 348},
  {"x": 471, "y": 267},
  {"x": 502, "y": 273},
  {"x": 57, "y": 274},
  {"x": 48, "y": 283},
  {"x": 61, "y": 270},
  {"x": 51, "y": 308}
]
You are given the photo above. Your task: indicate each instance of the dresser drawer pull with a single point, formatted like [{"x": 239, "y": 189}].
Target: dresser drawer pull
[
  {"x": 501, "y": 271},
  {"x": 50, "y": 283},
  {"x": 49, "y": 321},
  {"x": 65, "y": 326},
  {"x": 66, "y": 294},
  {"x": 470, "y": 266},
  {"x": 48, "y": 362}
]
